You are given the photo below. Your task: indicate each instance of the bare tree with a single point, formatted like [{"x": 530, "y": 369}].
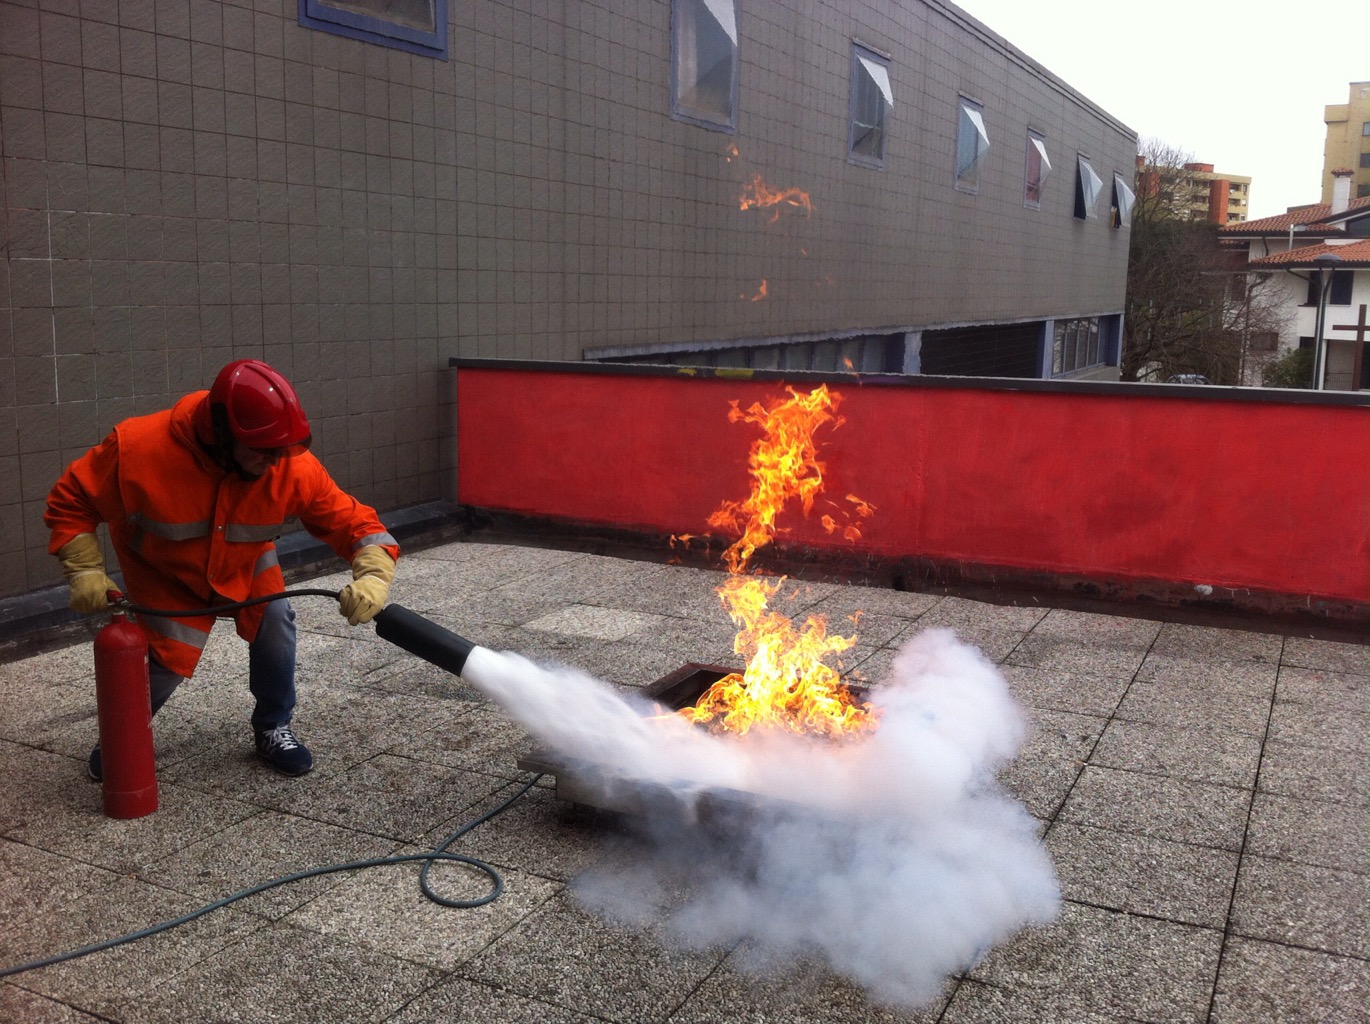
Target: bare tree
[{"x": 1191, "y": 306}]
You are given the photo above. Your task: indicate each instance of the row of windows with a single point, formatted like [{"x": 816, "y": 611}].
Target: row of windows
[
  {"x": 704, "y": 84},
  {"x": 1011, "y": 351},
  {"x": 704, "y": 91}
]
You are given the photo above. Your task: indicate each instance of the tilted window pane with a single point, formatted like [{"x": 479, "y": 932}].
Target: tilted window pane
[
  {"x": 872, "y": 98},
  {"x": 972, "y": 142},
  {"x": 416, "y": 14},
  {"x": 1123, "y": 199},
  {"x": 1038, "y": 167},
  {"x": 706, "y": 60},
  {"x": 1088, "y": 185}
]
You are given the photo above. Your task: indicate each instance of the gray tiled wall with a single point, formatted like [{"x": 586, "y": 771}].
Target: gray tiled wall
[{"x": 191, "y": 181}]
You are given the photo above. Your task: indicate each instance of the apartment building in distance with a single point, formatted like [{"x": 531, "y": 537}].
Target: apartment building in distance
[
  {"x": 1348, "y": 141},
  {"x": 1227, "y": 199}
]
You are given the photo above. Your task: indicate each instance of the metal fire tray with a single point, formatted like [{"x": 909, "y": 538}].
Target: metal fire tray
[{"x": 587, "y": 783}]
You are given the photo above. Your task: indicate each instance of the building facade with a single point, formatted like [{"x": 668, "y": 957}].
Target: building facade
[
  {"x": 1348, "y": 141},
  {"x": 359, "y": 193},
  {"x": 1314, "y": 263}
]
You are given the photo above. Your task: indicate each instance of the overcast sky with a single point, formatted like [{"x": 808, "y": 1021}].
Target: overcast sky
[{"x": 1240, "y": 85}]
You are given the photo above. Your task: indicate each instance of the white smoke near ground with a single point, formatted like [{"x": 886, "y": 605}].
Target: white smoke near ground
[{"x": 895, "y": 856}]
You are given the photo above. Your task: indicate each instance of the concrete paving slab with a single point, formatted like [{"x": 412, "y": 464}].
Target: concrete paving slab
[
  {"x": 1143, "y": 875},
  {"x": 380, "y": 909},
  {"x": 101, "y": 984},
  {"x": 1310, "y": 831},
  {"x": 960, "y": 614},
  {"x": 1180, "y": 810},
  {"x": 1167, "y": 704},
  {"x": 1055, "y": 654},
  {"x": 1313, "y": 773},
  {"x": 541, "y": 835},
  {"x": 1267, "y": 983},
  {"x": 28, "y": 911},
  {"x": 1302, "y": 905},
  {"x": 267, "y": 846},
  {"x": 593, "y": 622},
  {"x": 393, "y": 797},
  {"x": 1213, "y": 645},
  {"x": 1204, "y": 755},
  {"x": 49, "y": 802},
  {"x": 747, "y": 991},
  {"x": 1100, "y": 961},
  {"x": 1316, "y": 726},
  {"x": 1071, "y": 692},
  {"x": 285, "y": 973},
  {"x": 1096, "y": 629},
  {"x": 1217, "y": 677},
  {"x": 463, "y": 1001},
  {"x": 1334, "y": 691},
  {"x": 567, "y": 956},
  {"x": 1327, "y": 656},
  {"x": 978, "y": 1003},
  {"x": 17, "y": 1004}
]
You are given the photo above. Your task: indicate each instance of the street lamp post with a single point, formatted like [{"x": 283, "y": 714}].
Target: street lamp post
[{"x": 1325, "y": 264}]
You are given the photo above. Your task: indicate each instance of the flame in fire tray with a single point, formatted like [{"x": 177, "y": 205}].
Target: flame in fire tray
[{"x": 786, "y": 683}]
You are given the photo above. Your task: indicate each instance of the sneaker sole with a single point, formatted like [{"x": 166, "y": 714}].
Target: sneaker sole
[{"x": 293, "y": 773}]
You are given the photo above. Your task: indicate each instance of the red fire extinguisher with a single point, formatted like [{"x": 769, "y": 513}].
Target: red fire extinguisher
[{"x": 124, "y": 703}]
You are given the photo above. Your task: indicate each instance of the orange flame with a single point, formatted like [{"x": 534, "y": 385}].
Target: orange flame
[
  {"x": 786, "y": 683},
  {"x": 761, "y": 291},
  {"x": 783, "y": 465},
  {"x": 760, "y": 196}
]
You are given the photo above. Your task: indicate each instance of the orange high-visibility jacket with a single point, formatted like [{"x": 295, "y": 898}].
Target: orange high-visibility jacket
[{"x": 189, "y": 534}]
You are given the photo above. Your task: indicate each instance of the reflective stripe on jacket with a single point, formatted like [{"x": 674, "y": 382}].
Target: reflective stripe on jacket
[{"x": 190, "y": 534}]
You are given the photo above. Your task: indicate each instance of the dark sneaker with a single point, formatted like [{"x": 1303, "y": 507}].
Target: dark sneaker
[
  {"x": 95, "y": 765},
  {"x": 279, "y": 748}
]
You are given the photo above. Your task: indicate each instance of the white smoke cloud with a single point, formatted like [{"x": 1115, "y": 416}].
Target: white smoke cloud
[{"x": 896, "y": 857}]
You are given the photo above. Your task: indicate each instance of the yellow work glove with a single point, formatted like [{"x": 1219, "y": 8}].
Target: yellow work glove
[
  {"x": 83, "y": 565},
  {"x": 373, "y": 570}
]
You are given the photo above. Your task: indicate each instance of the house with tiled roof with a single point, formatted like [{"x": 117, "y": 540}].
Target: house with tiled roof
[{"x": 1314, "y": 262}]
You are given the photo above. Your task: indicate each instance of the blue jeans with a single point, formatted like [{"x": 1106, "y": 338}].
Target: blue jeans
[{"x": 270, "y": 670}]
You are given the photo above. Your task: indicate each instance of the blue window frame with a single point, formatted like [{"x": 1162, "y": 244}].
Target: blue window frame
[{"x": 419, "y": 26}]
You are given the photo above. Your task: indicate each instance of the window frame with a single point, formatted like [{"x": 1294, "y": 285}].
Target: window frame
[
  {"x": 691, "y": 113},
  {"x": 1085, "y": 206},
  {"x": 1081, "y": 339},
  {"x": 1036, "y": 147},
  {"x": 1120, "y": 206},
  {"x": 863, "y": 82},
  {"x": 325, "y": 17},
  {"x": 972, "y": 112}
]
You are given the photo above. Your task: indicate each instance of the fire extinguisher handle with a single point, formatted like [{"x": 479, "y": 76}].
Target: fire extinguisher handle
[{"x": 116, "y": 598}]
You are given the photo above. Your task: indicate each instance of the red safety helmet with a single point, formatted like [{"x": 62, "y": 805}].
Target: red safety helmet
[{"x": 256, "y": 407}]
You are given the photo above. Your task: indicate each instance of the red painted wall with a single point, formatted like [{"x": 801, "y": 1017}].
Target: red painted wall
[{"x": 1124, "y": 482}]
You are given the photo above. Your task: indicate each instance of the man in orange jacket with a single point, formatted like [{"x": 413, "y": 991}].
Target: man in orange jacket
[{"x": 194, "y": 498}]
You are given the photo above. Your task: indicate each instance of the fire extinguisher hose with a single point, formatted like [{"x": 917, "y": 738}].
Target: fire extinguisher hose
[
  {"x": 220, "y": 609},
  {"x": 434, "y": 856}
]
